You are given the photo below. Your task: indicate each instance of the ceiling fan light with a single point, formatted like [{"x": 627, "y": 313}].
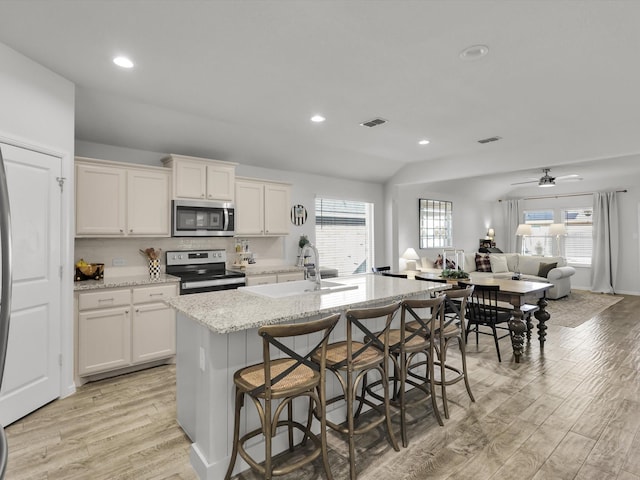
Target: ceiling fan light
[{"x": 546, "y": 182}]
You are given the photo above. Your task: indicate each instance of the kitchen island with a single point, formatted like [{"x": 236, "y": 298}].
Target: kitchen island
[{"x": 217, "y": 335}]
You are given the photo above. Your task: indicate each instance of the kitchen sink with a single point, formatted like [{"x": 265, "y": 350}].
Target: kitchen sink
[{"x": 300, "y": 287}]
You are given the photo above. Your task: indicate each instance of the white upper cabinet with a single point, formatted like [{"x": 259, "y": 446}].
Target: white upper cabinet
[
  {"x": 262, "y": 208},
  {"x": 116, "y": 199},
  {"x": 148, "y": 202},
  {"x": 100, "y": 200},
  {"x": 202, "y": 179}
]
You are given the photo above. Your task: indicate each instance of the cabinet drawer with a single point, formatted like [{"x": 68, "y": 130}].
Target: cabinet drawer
[
  {"x": 290, "y": 277},
  {"x": 251, "y": 280},
  {"x": 104, "y": 299},
  {"x": 156, "y": 293}
]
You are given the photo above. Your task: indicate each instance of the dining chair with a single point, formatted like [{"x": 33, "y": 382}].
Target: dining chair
[
  {"x": 386, "y": 268},
  {"x": 350, "y": 361},
  {"x": 483, "y": 310},
  {"x": 272, "y": 385}
]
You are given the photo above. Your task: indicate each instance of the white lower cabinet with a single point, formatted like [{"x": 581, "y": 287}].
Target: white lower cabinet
[
  {"x": 153, "y": 332},
  {"x": 104, "y": 340},
  {"x": 120, "y": 328}
]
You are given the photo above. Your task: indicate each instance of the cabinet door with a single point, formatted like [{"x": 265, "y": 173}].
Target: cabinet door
[
  {"x": 276, "y": 209},
  {"x": 191, "y": 180},
  {"x": 220, "y": 182},
  {"x": 290, "y": 277},
  {"x": 249, "y": 208},
  {"x": 153, "y": 332},
  {"x": 260, "y": 280},
  {"x": 100, "y": 200},
  {"x": 104, "y": 340},
  {"x": 149, "y": 203}
]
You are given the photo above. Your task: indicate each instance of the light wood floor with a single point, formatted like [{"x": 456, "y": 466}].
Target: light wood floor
[{"x": 572, "y": 412}]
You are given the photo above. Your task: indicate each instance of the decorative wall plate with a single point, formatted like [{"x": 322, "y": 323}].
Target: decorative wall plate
[{"x": 298, "y": 215}]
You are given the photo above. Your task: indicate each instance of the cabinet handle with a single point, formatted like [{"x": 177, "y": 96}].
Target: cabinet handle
[
  {"x": 106, "y": 299},
  {"x": 156, "y": 294},
  {"x": 202, "y": 194},
  {"x": 137, "y": 310},
  {"x": 126, "y": 311},
  {"x": 121, "y": 230},
  {"x": 131, "y": 230}
]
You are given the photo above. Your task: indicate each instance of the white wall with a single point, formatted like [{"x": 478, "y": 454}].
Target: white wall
[
  {"x": 471, "y": 219},
  {"x": 37, "y": 111}
]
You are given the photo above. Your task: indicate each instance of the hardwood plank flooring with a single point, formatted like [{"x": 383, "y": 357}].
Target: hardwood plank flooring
[{"x": 569, "y": 412}]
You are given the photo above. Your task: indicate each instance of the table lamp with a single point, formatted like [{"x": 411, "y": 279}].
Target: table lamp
[
  {"x": 523, "y": 230},
  {"x": 557, "y": 230},
  {"x": 410, "y": 256}
]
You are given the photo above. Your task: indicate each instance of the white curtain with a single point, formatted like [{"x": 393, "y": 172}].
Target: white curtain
[
  {"x": 604, "y": 262},
  {"x": 512, "y": 219}
]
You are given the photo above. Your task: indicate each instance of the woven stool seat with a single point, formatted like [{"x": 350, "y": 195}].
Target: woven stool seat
[
  {"x": 337, "y": 353},
  {"x": 300, "y": 378}
]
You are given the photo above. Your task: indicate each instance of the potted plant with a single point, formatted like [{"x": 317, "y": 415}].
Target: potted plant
[
  {"x": 454, "y": 273},
  {"x": 301, "y": 244}
]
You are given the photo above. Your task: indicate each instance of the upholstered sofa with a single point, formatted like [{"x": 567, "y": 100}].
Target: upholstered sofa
[{"x": 506, "y": 265}]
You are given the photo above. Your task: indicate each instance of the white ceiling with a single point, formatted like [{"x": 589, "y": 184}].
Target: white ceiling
[{"x": 239, "y": 80}]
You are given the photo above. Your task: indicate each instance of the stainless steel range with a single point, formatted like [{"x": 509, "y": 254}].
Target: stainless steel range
[{"x": 202, "y": 271}]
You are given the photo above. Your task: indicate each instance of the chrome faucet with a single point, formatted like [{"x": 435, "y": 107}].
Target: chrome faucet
[{"x": 313, "y": 274}]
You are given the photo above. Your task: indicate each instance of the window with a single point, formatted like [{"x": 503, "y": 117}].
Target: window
[
  {"x": 435, "y": 217},
  {"x": 578, "y": 244},
  {"x": 344, "y": 235},
  {"x": 539, "y": 243}
]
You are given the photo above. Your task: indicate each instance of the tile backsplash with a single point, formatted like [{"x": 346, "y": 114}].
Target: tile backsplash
[{"x": 122, "y": 257}]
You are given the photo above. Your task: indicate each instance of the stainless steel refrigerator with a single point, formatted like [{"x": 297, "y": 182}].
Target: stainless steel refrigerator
[{"x": 5, "y": 293}]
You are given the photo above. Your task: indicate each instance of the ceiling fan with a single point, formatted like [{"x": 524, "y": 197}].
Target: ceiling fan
[{"x": 548, "y": 181}]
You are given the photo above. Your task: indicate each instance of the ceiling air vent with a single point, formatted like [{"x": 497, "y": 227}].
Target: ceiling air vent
[
  {"x": 373, "y": 123},
  {"x": 490, "y": 139}
]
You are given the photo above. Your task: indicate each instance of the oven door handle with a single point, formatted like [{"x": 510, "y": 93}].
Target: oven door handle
[{"x": 213, "y": 283}]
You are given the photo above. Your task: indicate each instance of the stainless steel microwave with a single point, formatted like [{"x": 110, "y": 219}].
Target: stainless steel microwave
[{"x": 192, "y": 218}]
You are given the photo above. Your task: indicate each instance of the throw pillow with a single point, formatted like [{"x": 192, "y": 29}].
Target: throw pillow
[
  {"x": 545, "y": 268},
  {"x": 483, "y": 263},
  {"x": 498, "y": 263}
]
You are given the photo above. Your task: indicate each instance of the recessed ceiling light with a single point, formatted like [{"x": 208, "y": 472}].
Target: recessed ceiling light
[
  {"x": 423, "y": 142},
  {"x": 474, "y": 52},
  {"x": 318, "y": 119},
  {"x": 123, "y": 62}
]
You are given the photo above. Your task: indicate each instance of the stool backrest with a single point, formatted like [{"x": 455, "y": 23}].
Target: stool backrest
[
  {"x": 271, "y": 335},
  {"x": 456, "y": 305},
  {"x": 423, "y": 324},
  {"x": 358, "y": 317}
]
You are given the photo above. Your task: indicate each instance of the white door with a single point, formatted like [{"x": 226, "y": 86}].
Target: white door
[{"x": 32, "y": 369}]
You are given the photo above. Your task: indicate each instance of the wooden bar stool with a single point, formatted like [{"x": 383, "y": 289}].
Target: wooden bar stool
[
  {"x": 350, "y": 361},
  {"x": 452, "y": 329},
  {"x": 407, "y": 344},
  {"x": 289, "y": 376}
]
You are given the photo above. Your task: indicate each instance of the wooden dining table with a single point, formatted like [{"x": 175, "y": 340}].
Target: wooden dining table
[{"x": 517, "y": 293}]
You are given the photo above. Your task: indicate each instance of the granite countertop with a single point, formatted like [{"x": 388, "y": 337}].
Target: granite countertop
[
  {"x": 128, "y": 281},
  {"x": 230, "y": 311},
  {"x": 258, "y": 269}
]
